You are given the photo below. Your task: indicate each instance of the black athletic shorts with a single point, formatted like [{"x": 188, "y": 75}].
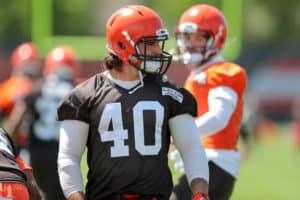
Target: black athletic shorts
[{"x": 221, "y": 184}]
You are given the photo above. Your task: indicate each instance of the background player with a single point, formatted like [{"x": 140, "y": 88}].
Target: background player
[
  {"x": 60, "y": 69},
  {"x": 218, "y": 87},
  {"x": 26, "y": 69}
]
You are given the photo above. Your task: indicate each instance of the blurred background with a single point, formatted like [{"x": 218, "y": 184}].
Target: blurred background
[{"x": 263, "y": 38}]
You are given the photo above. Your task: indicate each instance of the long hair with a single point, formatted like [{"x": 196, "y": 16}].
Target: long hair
[{"x": 111, "y": 61}]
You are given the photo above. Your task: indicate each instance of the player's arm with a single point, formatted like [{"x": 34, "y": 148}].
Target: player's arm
[
  {"x": 186, "y": 138},
  {"x": 73, "y": 138},
  {"x": 221, "y": 103},
  {"x": 15, "y": 118}
]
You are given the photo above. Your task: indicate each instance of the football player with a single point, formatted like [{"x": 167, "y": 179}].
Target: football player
[
  {"x": 218, "y": 87},
  {"x": 16, "y": 178},
  {"x": 26, "y": 70},
  {"x": 126, "y": 115},
  {"x": 60, "y": 69},
  {"x": 26, "y": 67}
]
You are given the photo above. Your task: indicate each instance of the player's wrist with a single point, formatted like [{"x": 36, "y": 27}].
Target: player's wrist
[
  {"x": 76, "y": 196},
  {"x": 200, "y": 196}
]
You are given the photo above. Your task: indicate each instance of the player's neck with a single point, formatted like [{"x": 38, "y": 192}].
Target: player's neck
[{"x": 127, "y": 73}]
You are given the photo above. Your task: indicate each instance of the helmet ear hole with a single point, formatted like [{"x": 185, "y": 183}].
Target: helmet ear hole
[{"x": 121, "y": 45}]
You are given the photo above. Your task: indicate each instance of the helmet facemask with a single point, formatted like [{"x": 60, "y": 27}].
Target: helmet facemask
[
  {"x": 152, "y": 64},
  {"x": 191, "y": 55}
]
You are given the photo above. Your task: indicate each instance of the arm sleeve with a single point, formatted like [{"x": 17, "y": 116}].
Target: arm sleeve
[
  {"x": 73, "y": 138},
  {"x": 187, "y": 142},
  {"x": 221, "y": 103}
]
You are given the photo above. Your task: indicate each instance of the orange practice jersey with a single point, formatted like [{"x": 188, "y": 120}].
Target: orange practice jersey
[
  {"x": 220, "y": 74},
  {"x": 10, "y": 90}
]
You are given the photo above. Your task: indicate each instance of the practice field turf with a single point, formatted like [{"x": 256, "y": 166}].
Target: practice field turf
[{"x": 271, "y": 172}]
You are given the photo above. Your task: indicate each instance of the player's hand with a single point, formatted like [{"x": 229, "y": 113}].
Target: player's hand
[
  {"x": 76, "y": 196},
  {"x": 200, "y": 196}
]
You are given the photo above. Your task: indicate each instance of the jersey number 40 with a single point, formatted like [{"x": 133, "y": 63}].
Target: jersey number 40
[{"x": 113, "y": 113}]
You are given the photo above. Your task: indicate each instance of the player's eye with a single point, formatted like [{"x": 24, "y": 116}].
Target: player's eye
[{"x": 151, "y": 43}]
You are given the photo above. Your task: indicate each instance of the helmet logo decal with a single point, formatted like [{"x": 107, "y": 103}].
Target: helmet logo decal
[
  {"x": 188, "y": 27},
  {"x": 162, "y": 33}
]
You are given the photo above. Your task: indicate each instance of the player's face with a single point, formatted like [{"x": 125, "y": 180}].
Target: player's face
[
  {"x": 192, "y": 42},
  {"x": 150, "y": 48},
  {"x": 154, "y": 59}
]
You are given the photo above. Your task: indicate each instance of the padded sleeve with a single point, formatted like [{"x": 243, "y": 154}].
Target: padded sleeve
[
  {"x": 69, "y": 156},
  {"x": 186, "y": 140}
]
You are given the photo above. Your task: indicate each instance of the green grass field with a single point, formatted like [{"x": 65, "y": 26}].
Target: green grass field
[{"x": 271, "y": 172}]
